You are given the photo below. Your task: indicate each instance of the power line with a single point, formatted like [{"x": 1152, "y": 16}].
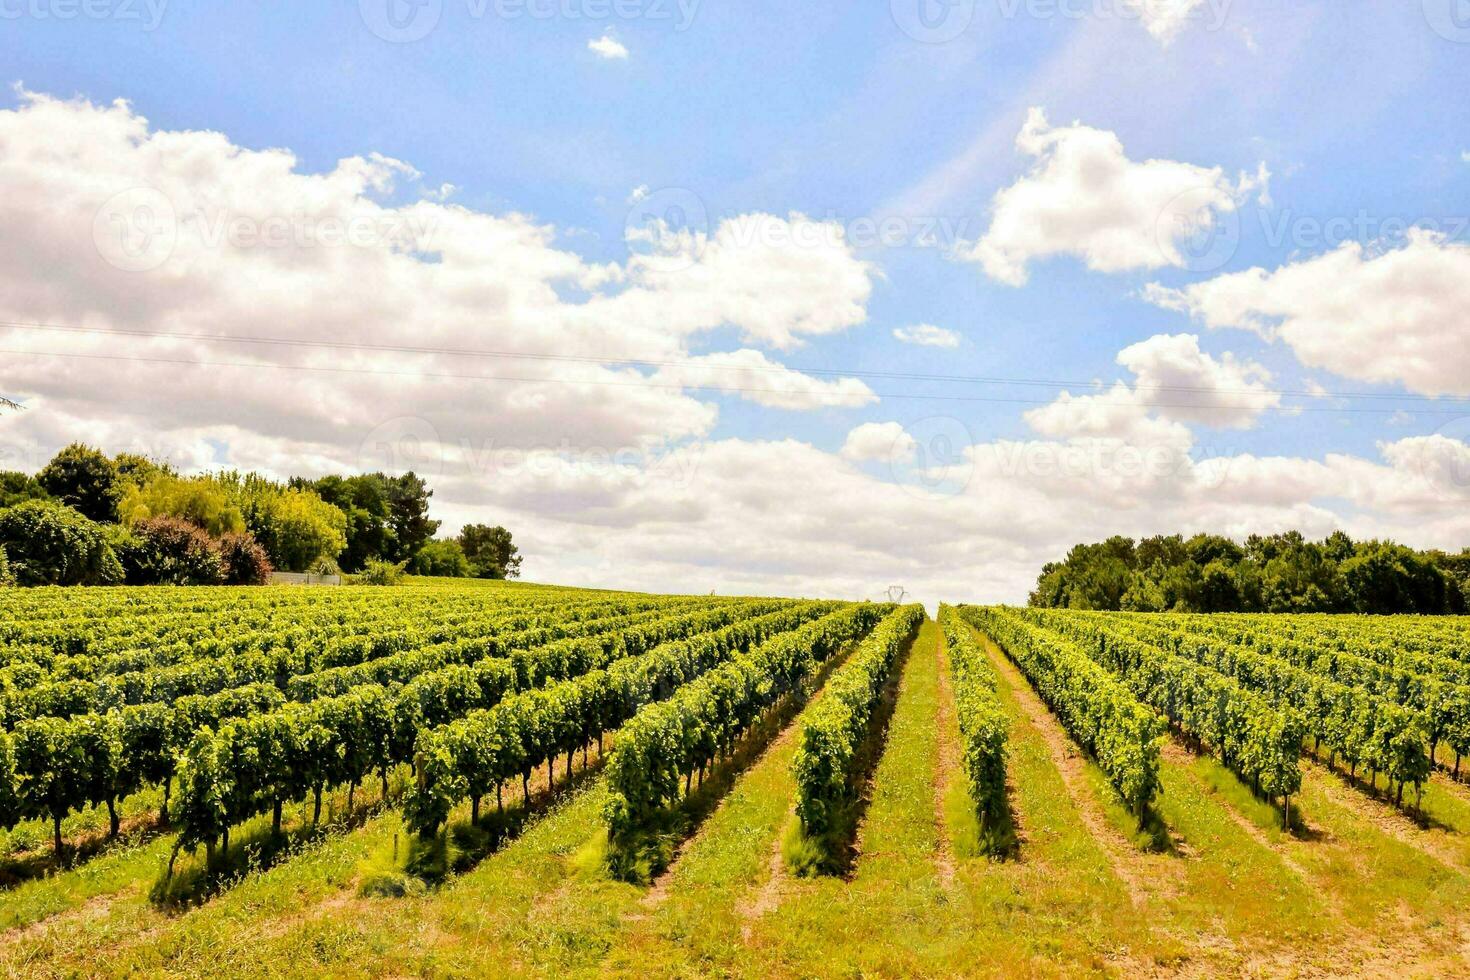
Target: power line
[
  {"x": 294, "y": 342},
  {"x": 729, "y": 389}
]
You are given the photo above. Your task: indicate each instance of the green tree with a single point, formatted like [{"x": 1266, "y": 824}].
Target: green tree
[
  {"x": 365, "y": 501},
  {"x": 445, "y": 559},
  {"x": 136, "y": 470},
  {"x": 293, "y": 524},
  {"x": 84, "y": 479},
  {"x": 490, "y": 550},
  {"x": 17, "y": 487},
  {"x": 49, "y": 544},
  {"x": 408, "y": 504},
  {"x": 203, "y": 501}
]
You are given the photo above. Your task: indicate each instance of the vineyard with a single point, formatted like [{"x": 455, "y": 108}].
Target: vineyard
[{"x": 491, "y": 778}]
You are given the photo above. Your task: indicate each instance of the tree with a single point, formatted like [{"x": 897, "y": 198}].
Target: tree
[
  {"x": 408, "y": 504},
  {"x": 84, "y": 479},
  {"x": 50, "y": 544},
  {"x": 293, "y": 524},
  {"x": 17, "y": 487},
  {"x": 203, "y": 501},
  {"x": 490, "y": 551},
  {"x": 135, "y": 470},
  {"x": 244, "y": 561},
  {"x": 445, "y": 559},
  {"x": 365, "y": 501}
]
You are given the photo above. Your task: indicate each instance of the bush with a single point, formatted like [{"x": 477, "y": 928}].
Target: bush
[
  {"x": 84, "y": 479},
  {"x": 381, "y": 573},
  {"x": 244, "y": 561},
  {"x": 5, "y": 578},
  {"x": 445, "y": 559},
  {"x": 50, "y": 544},
  {"x": 175, "y": 552}
]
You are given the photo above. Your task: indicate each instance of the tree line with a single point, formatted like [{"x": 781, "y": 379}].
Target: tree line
[
  {"x": 1278, "y": 573},
  {"x": 87, "y": 518}
]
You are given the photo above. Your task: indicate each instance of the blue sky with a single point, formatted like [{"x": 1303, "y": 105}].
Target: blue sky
[{"x": 836, "y": 112}]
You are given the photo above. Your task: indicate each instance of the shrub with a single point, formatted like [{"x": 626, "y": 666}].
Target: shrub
[
  {"x": 245, "y": 562},
  {"x": 382, "y": 573},
  {"x": 5, "y": 578},
  {"x": 84, "y": 479},
  {"x": 175, "y": 552},
  {"x": 445, "y": 559},
  {"x": 50, "y": 544}
]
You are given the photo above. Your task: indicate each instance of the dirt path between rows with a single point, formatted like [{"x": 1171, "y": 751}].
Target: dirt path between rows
[
  {"x": 947, "y": 767},
  {"x": 1070, "y": 765}
]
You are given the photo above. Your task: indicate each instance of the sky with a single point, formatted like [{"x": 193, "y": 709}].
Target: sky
[{"x": 768, "y": 298}]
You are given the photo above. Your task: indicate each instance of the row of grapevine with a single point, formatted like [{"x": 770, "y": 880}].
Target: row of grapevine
[
  {"x": 661, "y": 749},
  {"x": 1443, "y": 705},
  {"x": 984, "y": 729},
  {"x": 487, "y": 749},
  {"x": 834, "y": 730},
  {"x": 1259, "y": 740},
  {"x": 288, "y": 668},
  {"x": 257, "y": 764},
  {"x": 1101, "y": 713},
  {"x": 61, "y": 765},
  {"x": 1354, "y": 724}
]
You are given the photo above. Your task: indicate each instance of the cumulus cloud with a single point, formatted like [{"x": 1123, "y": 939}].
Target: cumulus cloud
[
  {"x": 1084, "y": 197},
  {"x": 115, "y": 226},
  {"x": 609, "y": 473},
  {"x": 878, "y": 442},
  {"x": 608, "y": 48},
  {"x": 1164, "y": 19},
  {"x": 1175, "y": 382},
  {"x": 755, "y": 377},
  {"x": 927, "y": 335},
  {"x": 1379, "y": 315}
]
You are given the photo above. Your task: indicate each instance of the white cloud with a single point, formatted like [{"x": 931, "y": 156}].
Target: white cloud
[
  {"x": 228, "y": 241},
  {"x": 754, "y": 377},
  {"x": 1174, "y": 383},
  {"x": 607, "y": 477},
  {"x": 1386, "y": 316},
  {"x": 638, "y": 194},
  {"x": 608, "y": 47},
  {"x": 1085, "y": 197},
  {"x": 879, "y": 442},
  {"x": 1164, "y": 19},
  {"x": 927, "y": 335}
]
